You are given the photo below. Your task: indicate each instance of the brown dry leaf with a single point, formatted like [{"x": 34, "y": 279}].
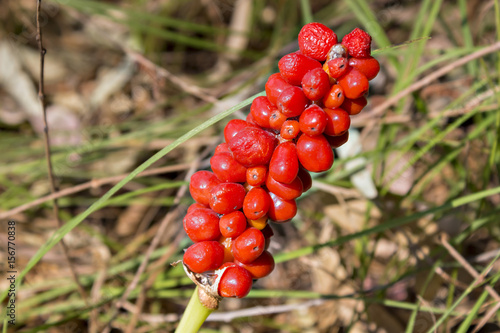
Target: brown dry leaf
[{"x": 351, "y": 217}]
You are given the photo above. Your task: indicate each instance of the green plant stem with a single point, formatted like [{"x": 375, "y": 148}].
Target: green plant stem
[{"x": 194, "y": 316}]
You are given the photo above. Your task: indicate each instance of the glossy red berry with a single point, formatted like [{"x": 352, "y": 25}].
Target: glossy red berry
[
  {"x": 315, "y": 153},
  {"x": 337, "y": 141},
  {"x": 250, "y": 120},
  {"x": 313, "y": 120},
  {"x": 227, "y": 169},
  {"x": 295, "y": 65},
  {"x": 222, "y": 148},
  {"x": 276, "y": 120},
  {"x": 202, "y": 225},
  {"x": 281, "y": 210},
  {"x": 227, "y": 197},
  {"x": 368, "y": 66},
  {"x": 235, "y": 282},
  {"x": 284, "y": 164},
  {"x": 315, "y": 40},
  {"x": 292, "y": 102},
  {"x": 233, "y": 127},
  {"x": 286, "y": 191},
  {"x": 290, "y": 129},
  {"x": 252, "y": 146},
  {"x": 358, "y": 43},
  {"x": 261, "y": 110},
  {"x": 305, "y": 178},
  {"x": 256, "y": 203},
  {"x": 201, "y": 184},
  {"x": 315, "y": 84},
  {"x": 232, "y": 224},
  {"x": 337, "y": 67},
  {"x": 354, "y": 83},
  {"x": 338, "y": 121},
  {"x": 275, "y": 86},
  {"x": 204, "y": 256},
  {"x": 227, "y": 244},
  {"x": 256, "y": 176},
  {"x": 194, "y": 207},
  {"x": 249, "y": 245},
  {"x": 354, "y": 106},
  {"x": 335, "y": 97},
  {"x": 260, "y": 267}
]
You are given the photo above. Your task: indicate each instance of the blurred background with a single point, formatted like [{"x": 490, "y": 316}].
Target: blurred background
[{"x": 125, "y": 79}]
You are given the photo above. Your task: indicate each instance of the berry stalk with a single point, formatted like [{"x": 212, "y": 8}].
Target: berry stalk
[{"x": 194, "y": 316}]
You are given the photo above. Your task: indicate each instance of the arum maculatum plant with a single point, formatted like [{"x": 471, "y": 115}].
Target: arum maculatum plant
[{"x": 264, "y": 164}]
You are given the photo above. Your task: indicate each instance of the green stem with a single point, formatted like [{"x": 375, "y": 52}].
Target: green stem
[{"x": 194, "y": 316}]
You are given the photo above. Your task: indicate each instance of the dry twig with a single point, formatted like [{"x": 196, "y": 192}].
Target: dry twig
[{"x": 53, "y": 187}]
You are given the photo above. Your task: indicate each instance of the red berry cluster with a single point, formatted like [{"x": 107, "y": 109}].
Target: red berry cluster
[{"x": 262, "y": 166}]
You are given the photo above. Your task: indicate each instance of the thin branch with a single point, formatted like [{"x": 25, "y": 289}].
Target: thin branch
[{"x": 53, "y": 187}]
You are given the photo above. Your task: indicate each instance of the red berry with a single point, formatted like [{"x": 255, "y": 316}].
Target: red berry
[
  {"x": 284, "y": 164},
  {"x": 194, "y": 207},
  {"x": 275, "y": 86},
  {"x": 285, "y": 191},
  {"x": 249, "y": 245},
  {"x": 252, "y": 147},
  {"x": 236, "y": 281},
  {"x": 292, "y": 102},
  {"x": 338, "y": 121},
  {"x": 201, "y": 184},
  {"x": 290, "y": 129},
  {"x": 276, "y": 120},
  {"x": 227, "y": 197},
  {"x": 222, "y": 148},
  {"x": 267, "y": 232},
  {"x": 295, "y": 65},
  {"x": 260, "y": 267},
  {"x": 358, "y": 43},
  {"x": 354, "y": 83},
  {"x": 227, "y": 169},
  {"x": 305, "y": 178},
  {"x": 337, "y": 141},
  {"x": 232, "y": 224},
  {"x": 315, "y": 40},
  {"x": 256, "y": 203},
  {"x": 233, "y": 127},
  {"x": 282, "y": 210},
  {"x": 335, "y": 97},
  {"x": 202, "y": 225},
  {"x": 250, "y": 120},
  {"x": 313, "y": 120},
  {"x": 315, "y": 84},
  {"x": 354, "y": 106},
  {"x": 204, "y": 256},
  {"x": 337, "y": 67},
  {"x": 256, "y": 175},
  {"x": 368, "y": 66},
  {"x": 227, "y": 244},
  {"x": 261, "y": 110},
  {"x": 315, "y": 153}
]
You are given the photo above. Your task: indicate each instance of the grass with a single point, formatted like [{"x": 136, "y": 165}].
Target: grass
[{"x": 371, "y": 263}]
